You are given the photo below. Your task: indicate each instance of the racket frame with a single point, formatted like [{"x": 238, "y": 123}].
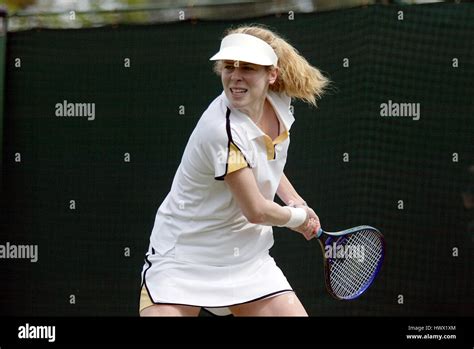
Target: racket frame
[{"x": 324, "y": 235}]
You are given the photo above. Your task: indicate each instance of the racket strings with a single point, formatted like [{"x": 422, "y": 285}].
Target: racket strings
[
  {"x": 347, "y": 275},
  {"x": 350, "y": 276}
]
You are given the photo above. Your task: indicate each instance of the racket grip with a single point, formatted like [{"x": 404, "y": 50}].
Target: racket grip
[{"x": 319, "y": 233}]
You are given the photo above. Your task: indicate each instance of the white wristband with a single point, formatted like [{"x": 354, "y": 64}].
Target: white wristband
[{"x": 298, "y": 216}]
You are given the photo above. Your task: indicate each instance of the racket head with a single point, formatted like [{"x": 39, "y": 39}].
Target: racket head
[{"x": 349, "y": 276}]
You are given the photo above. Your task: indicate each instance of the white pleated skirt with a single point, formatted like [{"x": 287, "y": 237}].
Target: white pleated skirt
[{"x": 166, "y": 280}]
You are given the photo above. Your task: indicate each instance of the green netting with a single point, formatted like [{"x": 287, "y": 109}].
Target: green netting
[
  {"x": 393, "y": 161},
  {"x": 3, "y": 42}
]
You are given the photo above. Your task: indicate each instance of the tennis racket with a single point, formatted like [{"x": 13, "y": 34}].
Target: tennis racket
[{"x": 352, "y": 259}]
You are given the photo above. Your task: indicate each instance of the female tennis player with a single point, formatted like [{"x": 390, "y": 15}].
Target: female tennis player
[{"x": 210, "y": 243}]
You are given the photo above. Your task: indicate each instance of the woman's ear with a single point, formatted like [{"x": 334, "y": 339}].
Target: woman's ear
[{"x": 272, "y": 75}]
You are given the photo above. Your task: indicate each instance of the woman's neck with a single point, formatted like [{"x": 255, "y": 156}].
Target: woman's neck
[{"x": 257, "y": 111}]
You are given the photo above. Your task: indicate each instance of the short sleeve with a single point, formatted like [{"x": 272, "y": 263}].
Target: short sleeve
[{"x": 226, "y": 149}]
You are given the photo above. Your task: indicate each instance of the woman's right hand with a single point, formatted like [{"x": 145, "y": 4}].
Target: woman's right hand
[{"x": 310, "y": 226}]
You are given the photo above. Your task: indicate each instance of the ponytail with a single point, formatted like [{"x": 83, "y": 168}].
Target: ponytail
[{"x": 296, "y": 77}]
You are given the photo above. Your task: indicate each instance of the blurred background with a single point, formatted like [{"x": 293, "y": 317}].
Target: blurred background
[
  {"x": 26, "y": 14},
  {"x": 85, "y": 192}
]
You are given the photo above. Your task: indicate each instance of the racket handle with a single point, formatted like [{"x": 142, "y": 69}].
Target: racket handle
[{"x": 319, "y": 233}]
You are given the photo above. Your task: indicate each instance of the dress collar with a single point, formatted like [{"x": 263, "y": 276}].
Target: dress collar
[{"x": 280, "y": 103}]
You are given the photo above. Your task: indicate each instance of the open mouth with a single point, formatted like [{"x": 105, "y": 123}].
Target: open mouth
[{"x": 238, "y": 91}]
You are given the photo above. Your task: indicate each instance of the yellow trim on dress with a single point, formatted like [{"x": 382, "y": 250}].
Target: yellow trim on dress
[
  {"x": 270, "y": 145},
  {"x": 145, "y": 300},
  {"x": 235, "y": 159}
]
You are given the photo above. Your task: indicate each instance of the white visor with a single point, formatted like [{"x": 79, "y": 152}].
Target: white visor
[{"x": 246, "y": 48}]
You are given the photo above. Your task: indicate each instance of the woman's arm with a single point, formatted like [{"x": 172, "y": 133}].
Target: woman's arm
[
  {"x": 259, "y": 210},
  {"x": 255, "y": 207},
  {"x": 287, "y": 193}
]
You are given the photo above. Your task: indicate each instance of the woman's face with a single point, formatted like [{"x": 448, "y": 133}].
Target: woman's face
[{"x": 246, "y": 84}]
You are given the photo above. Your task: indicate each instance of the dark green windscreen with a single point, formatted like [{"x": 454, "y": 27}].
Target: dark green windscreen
[
  {"x": 3, "y": 46},
  {"x": 86, "y": 191}
]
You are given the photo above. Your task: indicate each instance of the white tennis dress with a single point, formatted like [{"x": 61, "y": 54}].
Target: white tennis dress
[{"x": 203, "y": 251}]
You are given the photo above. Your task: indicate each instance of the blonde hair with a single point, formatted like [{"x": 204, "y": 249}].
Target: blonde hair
[{"x": 296, "y": 77}]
